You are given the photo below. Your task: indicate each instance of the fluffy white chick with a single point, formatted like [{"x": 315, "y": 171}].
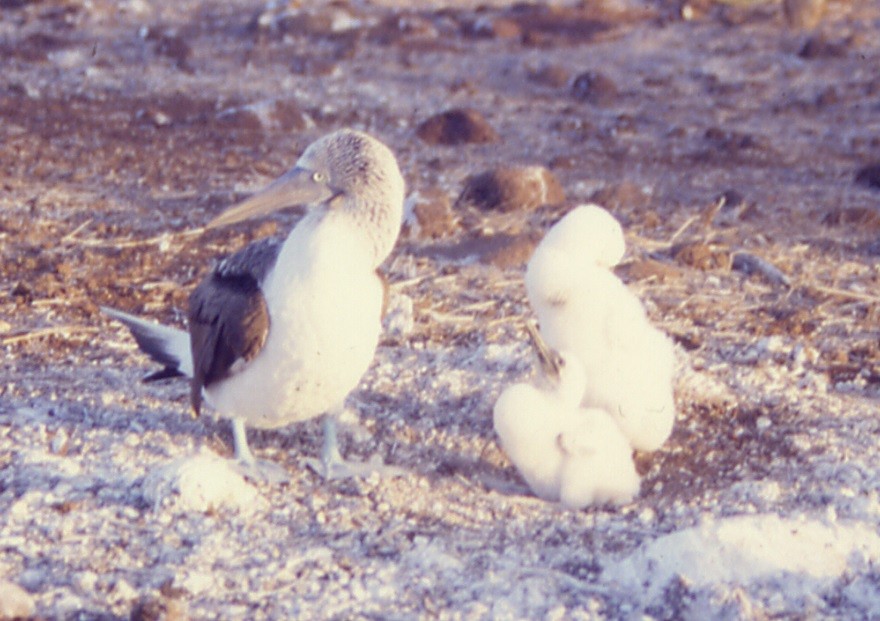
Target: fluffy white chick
[
  {"x": 583, "y": 308},
  {"x": 566, "y": 453}
]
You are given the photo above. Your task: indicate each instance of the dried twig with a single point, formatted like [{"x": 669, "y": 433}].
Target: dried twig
[
  {"x": 447, "y": 318},
  {"x": 72, "y": 235},
  {"x": 476, "y": 307},
  {"x": 164, "y": 238},
  {"x": 417, "y": 280},
  {"x": 843, "y": 293},
  {"x": 684, "y": 227},
  {"x": 518, "y": 321},
  {"x": 64, "y": 331},
  {"x": 58, "y": 301}
]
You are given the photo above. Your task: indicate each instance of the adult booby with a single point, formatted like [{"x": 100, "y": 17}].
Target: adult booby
[
  {"x": 584, "y": 308},
  {"x": 283, "y": 332},
  {"x": 567, "y": 453}
]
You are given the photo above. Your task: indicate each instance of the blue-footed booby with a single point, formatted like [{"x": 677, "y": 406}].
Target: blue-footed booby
[
  {"x": 283, "y": 332},
  {"x": 584, "y": 308},
  {"x": 567, "y": 453}
]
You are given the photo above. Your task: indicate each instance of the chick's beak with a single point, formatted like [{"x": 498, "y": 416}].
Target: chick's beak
[
  {"x": 296, "y": 187},
  {"x": 547, "y": 358}
]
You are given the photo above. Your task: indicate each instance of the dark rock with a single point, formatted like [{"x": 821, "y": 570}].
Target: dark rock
[
  {"x": 869, "y": 176},
  {"x": 554, "y": 76},
  {"x": 22, "y": 291},
  {"x": 494, "y": 28},
  {"x": 281, "y": 114},
  {"x": 159, "y": 608},
  {"x": 647, "y": 268},
  {"x": 304, "y": 64},
  {"x": 399, "y": 27},
  {"x": 432, "y": 212},
  {"x": 287, "y": 115},
  {"x": 509, "y": 251},
  {"x": 171, "y": 45},
  {"x": 303, "y": 24},
  {"x": 617, "y": 196},
  {"x": 564, "y": 162},
  {"x": 241, "y": 118},
  {"x": 512, "y": 188},
  {"x": 828, "y": 97},
  {"x": 414, "y": 25},
  {"x": 733, "y": 142},
  {"x": 503, "y": 250},
  {"x": 817, "y": 46},
  {"x": 732, "y": 198},
  {"x": 457, "y": 126},
  {"x": 554, "y": 25},
  {"x": 750, "y": 264},
  {"x": 702, "y": 256},
  {"x": 35, "y": 47},
  {"x": 731, "y": 206},
  {"x": 862, "y": 217},
  {"x": 791, "y": 321},
  {"x": 595, "y": 88}
]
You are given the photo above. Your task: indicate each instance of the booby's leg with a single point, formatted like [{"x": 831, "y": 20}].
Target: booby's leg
[
  {"x": 239, "y": 440},
  {"x": 333, "y": 466},
  {"x": 249, "y": 466},
  {"x": 330, "y": 450}
]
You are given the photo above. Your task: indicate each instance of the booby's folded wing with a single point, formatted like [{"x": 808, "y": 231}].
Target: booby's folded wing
[
  {"x": 228, "y": 316},
  {"x": 166, "y": 345}
]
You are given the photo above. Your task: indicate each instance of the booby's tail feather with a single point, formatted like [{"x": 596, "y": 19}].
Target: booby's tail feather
[{"x": 167, "y": 346}]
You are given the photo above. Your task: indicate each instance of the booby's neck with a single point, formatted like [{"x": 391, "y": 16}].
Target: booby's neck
[{"x": 379, "y": 214}]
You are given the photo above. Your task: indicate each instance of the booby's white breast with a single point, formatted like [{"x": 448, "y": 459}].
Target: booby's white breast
[{"x": 325, "y": 302}]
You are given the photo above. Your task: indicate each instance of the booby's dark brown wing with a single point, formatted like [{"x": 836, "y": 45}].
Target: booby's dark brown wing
[{"x": 228, "y": 317}]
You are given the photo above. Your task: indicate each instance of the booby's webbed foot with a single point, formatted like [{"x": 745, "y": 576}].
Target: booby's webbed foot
[
  {"x": 251, "y": 468},
  {"x": 343, "y": 469},
  {"x": 333, "y": 466},
  {"x": 262, "y": 472}
]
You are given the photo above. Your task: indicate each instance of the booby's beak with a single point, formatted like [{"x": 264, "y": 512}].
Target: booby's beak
[
  {"x": 298, "y": 186},
  {"x": 548, "y": 358}
]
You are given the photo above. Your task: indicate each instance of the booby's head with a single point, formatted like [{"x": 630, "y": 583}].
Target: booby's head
[
  {"x": 588, "y": 233},
  {"x": 562, "y": 372},
  {"x": 346, "y": 169}
]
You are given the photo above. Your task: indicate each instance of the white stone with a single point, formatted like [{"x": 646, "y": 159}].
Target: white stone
[
  {"x": 15, "y": 602},
  {"x": 203, "y": 482}
]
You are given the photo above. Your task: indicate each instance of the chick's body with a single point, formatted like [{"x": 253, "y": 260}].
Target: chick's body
[
  {"x": 583, "y": 307},
  {"x": 566, "y": 453}
]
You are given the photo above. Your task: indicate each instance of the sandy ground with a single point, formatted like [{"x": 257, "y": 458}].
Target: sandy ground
[{"x": 127, "y": 126}]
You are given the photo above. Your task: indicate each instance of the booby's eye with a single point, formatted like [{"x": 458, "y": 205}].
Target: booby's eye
[{"x": 319, "y": 177}]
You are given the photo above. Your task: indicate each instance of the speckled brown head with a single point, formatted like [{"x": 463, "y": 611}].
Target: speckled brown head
[{"x": 345, "y": 170}]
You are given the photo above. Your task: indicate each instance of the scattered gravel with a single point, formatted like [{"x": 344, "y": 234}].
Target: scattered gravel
[{"x": 127, "y": 126}]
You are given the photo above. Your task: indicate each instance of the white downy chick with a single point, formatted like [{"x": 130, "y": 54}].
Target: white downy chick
[
  {"x": 577, "y": 456},
  {"x": 583, "y": 308}
]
